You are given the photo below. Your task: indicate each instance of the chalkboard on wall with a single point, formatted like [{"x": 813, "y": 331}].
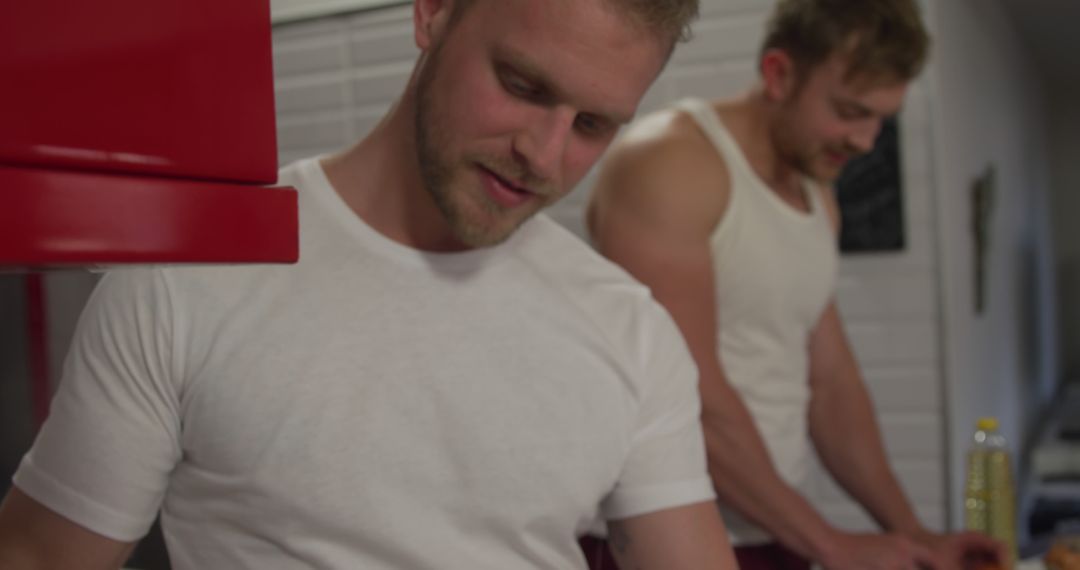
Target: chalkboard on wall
[{"x": 869, "y": 192}]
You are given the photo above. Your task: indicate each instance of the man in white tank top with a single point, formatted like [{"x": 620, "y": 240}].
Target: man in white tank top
[{"x": 724, "y": 209}]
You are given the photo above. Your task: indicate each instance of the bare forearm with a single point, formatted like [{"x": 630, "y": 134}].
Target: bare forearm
[
  {"x": 746, "y": 479},
  {"x": 18, "y": 553},
  {"x": 848, "y": 440},
  {"x": 690, "y": 537},
  {"x": 34, "y": 538},
  {"x": 845, "y": 430},
  {"x": 14, "y": 557}
]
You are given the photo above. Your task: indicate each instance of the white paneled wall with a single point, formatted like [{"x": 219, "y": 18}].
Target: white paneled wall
[
  {"x": 992, "y": 110},
  {"x": 337, "y": 75}
]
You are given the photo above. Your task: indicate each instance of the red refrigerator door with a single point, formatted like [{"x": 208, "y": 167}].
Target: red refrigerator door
[{"x": 170, "y": 103}]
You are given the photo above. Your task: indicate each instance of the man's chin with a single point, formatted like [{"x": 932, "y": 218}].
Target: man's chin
[
  {"x": 480, "y": 241},
  {"x": 827, "y": 176},
  {"x": 483, "y": 224},
  {"x": 476, "y": 237}
]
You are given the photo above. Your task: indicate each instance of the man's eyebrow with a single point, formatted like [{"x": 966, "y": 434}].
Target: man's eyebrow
[
  {"x": 855, "y": 105},
  {"x": 513, "y": 61},
  {"x": 839, "y": 99},
  {"x": 509, "y": 59}
]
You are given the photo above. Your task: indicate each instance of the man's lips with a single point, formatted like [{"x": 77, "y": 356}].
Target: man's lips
[
  {"x": 505, "y": 192},
  {"x": 509, "y": 183},
  {"x": 838, "y": 158}
]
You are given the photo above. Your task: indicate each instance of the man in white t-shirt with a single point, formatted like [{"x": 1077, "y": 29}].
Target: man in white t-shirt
[{"x": 443, "y": 381}]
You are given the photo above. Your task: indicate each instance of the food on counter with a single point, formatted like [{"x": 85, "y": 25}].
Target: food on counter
[{"x": 1064, "y": 554}]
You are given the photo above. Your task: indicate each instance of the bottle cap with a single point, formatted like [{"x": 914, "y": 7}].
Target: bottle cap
[{"x": 987, "y": 424}]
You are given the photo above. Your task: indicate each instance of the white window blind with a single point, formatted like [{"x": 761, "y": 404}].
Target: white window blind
[{"x": 282, "y": 11}]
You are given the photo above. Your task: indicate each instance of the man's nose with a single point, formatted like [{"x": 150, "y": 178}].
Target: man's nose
[
  {"x": 542, "y": 143},
  {"x": 862, "y": 138}
]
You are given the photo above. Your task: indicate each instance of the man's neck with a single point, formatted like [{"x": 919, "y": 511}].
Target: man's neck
[
  {"x": 750, "y": 120},
  {"x": 379, "y": 179}
]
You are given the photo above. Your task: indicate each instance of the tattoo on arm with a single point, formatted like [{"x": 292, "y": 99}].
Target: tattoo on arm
[
  {"x": 619, "y": 542},
  {"x": 619, "y": 539}
]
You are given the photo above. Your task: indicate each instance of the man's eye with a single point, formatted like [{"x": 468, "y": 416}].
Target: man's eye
[
  {"x": 850, "y": 113},
  {"x": 518, "y": 86},
  {"x": 591, "y": 125}
]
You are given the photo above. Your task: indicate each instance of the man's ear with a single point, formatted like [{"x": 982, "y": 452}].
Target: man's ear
[
  {"x": 430, "y": 19},
  {"x": 779, "y": 73}
]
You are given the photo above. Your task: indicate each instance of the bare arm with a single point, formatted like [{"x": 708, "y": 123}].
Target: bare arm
[
  {"x": 843, "y": 426},
  {"x": 848, "y": 440},
  {"x": 654, "y": 210},
  {"x": 682, "y": 538},
  {"x": 33, "y": 537},
  {"x": 846, "y": 433},
  {"x": 657, "y": 202}
]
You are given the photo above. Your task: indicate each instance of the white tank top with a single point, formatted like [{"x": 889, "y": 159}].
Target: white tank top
[{"x": 775, "y": 272}]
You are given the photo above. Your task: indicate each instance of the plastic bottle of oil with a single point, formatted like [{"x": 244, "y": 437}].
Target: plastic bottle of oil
[{"x": 989, "y": 495}]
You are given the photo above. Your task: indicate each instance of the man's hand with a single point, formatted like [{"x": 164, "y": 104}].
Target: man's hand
[
  {"x": 963, "y": 550},
  {"x": 877, "y": 552}
]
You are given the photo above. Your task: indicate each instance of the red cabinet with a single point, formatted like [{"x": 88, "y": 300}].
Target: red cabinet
[{"x": 137, "y": 131}]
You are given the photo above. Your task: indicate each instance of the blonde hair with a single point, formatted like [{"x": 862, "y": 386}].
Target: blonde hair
[
  {"x": 881, "y": 39},
  {"x": 668, "y": 19}
]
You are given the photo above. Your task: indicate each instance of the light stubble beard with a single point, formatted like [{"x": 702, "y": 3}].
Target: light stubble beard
[
  {"x": 438, "y": 175},
  {"x": 791, "y": 153}
]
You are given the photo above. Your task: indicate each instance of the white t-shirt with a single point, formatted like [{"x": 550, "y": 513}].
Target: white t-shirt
[{"x": 373, "y": 406}]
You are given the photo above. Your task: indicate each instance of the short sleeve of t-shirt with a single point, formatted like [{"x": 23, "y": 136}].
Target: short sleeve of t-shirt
[
  {"x": 666, "y": 466},
  {"x": 103, "y": 457}
]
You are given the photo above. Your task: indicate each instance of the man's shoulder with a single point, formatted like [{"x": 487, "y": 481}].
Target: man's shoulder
[
  {"x": 300, "y": 173},
  {"x": 669, "y": 139},
  {"x": 664, "y": 170},
  {"x": 597, "y": 286},
  {"x": 567, "y": 260},
  {"x": 551, "y": 247},
  {"x": 209, "y": 289}
]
